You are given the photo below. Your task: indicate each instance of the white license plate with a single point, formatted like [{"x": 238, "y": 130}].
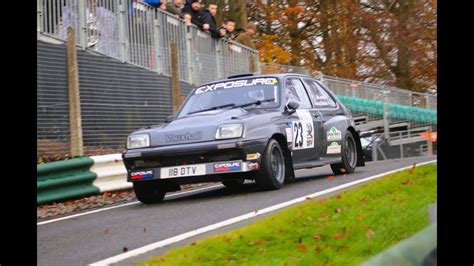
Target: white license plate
[{"x": 183, "y": 170}]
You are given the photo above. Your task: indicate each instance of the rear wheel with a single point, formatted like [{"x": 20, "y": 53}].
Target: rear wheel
[
  {"x": 272, "y": 172},
  {"x": 349, "y": 156},
  {"x": 149, "y": 192}
]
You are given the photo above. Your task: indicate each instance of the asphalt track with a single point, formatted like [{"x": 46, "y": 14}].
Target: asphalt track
[{"x": 93, "y": 237}]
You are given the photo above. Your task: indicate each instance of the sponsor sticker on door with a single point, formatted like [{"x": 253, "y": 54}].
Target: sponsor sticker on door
[
  {"x": 333, "y": 134},
  {"x": 334, "y": 148}
]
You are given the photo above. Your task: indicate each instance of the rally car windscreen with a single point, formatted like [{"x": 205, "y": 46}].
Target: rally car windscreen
[{"x": 262, "y": 91}]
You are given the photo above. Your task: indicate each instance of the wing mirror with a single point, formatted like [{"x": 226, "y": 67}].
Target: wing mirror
[
  {"x": 291, "y": 106},
  {"x": 169, "y": 118}
]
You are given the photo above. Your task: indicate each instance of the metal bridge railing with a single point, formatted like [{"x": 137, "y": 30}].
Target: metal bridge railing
[{"x": 141, "y": 35}]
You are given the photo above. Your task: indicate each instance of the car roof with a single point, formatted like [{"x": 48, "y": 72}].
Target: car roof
[{"x": 246, "y": 76}]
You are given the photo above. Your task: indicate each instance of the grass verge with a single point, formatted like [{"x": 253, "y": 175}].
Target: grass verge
[{"x": 345, "y": 229}]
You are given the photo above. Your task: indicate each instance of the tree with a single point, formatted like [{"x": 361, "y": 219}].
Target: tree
[{"x": 382, "y": 41}]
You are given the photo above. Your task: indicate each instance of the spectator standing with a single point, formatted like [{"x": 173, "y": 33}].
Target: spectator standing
[
  {"x": 229, "y": 30},
  {"x": 209, "y": 20},
  {"x": 174, "y": 7},
  {"x": 187, "y": 18},
  {"x": 162, "y": 6},
  {"x": 245, "y": 38},
  {"x": 193, "y": 8}
]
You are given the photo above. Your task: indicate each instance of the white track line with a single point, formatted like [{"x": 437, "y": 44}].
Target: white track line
[
  {"x": 240, "y": 218},
  {"x": 122, "y": 205}
]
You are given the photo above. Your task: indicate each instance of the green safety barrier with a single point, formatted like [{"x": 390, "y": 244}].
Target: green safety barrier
[
  {"x": 409, "y": 252},
  {"x": 65, "y": 180},
  {"x": 397, "y": 111}
]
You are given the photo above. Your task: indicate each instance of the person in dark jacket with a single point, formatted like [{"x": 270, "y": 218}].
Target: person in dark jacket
[
  {"x": 193, "y": 7},
  {"x": 209, "y": 20}
]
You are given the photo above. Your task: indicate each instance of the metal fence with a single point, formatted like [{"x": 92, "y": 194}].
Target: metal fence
[
  {"x": 379, "y": 92},
  {"x": 140, "y": 34}
]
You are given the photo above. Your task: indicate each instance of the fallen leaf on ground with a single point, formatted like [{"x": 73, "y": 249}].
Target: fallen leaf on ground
[
  {"x": 339, "y": 235},
  {"x": 359, "y": 218},
  {"x": 106, "y": 231},
  {"x": 317, "y": 236},
  {"x": 406, "y": 182},
  {"x": 302, "y": 247},
  {"x": 363, "y": 201},
  {"x": 370, "y": 232},
  {"x": 330, "y": 177}
]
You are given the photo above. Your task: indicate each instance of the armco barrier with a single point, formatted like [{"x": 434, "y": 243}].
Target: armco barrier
[
  {"x": 80, "y": 177},
  {"x": 111, "y": 173},
  {"x": 65, "y": 180},
  {"x": 410, "y": 252}
]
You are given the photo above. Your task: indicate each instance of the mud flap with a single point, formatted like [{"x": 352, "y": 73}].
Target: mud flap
[{"x": 360, "y": 154}]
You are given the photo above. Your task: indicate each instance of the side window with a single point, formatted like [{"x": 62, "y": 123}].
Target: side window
[
  {"x": 319, "y": 96},
  {"x": 295, "y": 90}
]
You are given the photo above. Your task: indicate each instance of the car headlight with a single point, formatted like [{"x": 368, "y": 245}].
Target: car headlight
[
  {"x": 138, "y": 141},
  {"x": 229, "y": 131}
]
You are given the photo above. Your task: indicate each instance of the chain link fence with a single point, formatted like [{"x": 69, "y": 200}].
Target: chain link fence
[
  {"x": 53, "y": 136},
  {"x": 116, "y": 99}
]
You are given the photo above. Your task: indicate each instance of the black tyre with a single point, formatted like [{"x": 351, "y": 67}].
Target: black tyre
[
  {"x": 149, "y": 192},
  {"x": 272, "y": 171},
  {"x": 233, "y": 183},
  {"x": 349, "y": 156}
]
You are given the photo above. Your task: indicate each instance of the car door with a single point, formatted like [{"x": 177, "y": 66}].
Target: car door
[
  {"x": 301, "y": 122},
  {"x": 331, "y": 131}
]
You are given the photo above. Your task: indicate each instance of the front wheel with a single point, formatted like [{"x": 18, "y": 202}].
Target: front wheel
[
  {"x": 271, "y": 175},
  {"x": 349, "y": 156},
  {"x": 149, "y": 192}
]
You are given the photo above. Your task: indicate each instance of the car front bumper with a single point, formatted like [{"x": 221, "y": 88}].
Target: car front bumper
[{"x": 194, "y": 159}]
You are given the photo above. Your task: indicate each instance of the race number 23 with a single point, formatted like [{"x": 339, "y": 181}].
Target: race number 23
[
  {"x": 303, "y": 131},
  {"x": 298, "y": 133}
]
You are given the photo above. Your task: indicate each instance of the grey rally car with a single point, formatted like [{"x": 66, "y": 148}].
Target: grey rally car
[{"x": 256, "y": 127}]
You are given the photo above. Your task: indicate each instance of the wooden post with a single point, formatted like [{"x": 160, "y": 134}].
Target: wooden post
[
  {"x": 75, "y": 126},
  {"x": 175, "y": 90}
]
